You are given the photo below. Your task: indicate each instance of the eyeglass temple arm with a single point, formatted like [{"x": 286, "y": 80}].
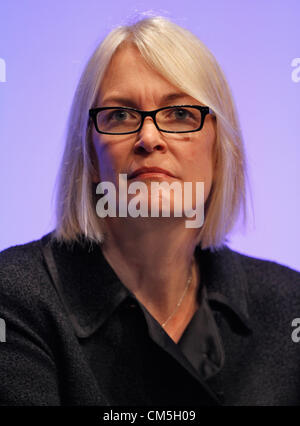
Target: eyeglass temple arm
[{"x": 210, "y": 111}]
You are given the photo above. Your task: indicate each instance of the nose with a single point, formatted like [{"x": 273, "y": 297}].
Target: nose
[{"x": 149, "y": 138}]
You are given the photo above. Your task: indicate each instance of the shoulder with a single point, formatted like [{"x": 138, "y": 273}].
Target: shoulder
[
  {"x": 264, "y": 283},
  {"x": 271, "y": 286},
  {"x": 266, "y": 272},
  {"x": 21, "y": 269},
  {"x": 28, "y": 298},
  {"x": 226, "y": 262},
  {"x": 267, "y": 293}
]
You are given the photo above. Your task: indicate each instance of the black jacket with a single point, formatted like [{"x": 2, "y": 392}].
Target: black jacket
[{"x": 79, "y": 342}]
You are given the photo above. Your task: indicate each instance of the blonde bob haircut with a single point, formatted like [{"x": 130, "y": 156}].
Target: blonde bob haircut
[{"x": 186, "y": 63}]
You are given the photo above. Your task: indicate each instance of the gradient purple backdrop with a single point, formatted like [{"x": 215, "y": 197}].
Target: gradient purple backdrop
[{"x": 45, "y": 44}]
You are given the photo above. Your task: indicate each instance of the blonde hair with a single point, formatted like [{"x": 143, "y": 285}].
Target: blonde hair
[{"x": 185, "y": 62}]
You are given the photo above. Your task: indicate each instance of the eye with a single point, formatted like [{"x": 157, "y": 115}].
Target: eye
[
  {"x": 118, "y": 120},
  {"x": 181, "y": 114},
  {"x": 119, "y": 115}
]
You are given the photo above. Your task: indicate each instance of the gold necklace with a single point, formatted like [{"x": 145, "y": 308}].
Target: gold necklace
[{"x": 188, "y": 283}]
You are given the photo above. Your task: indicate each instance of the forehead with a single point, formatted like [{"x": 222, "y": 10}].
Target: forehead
[
  {"x": 125, "y": 62},
  {"x": 129, "y": 76}
]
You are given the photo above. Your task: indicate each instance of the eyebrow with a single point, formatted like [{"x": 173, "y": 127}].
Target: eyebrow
[{"x": 164, "y": 100}]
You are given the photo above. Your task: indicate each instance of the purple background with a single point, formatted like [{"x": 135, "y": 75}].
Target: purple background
[{"x": 45, "y": 45}]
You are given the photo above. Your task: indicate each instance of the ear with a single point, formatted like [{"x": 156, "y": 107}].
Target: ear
[
  {"x": 95, "y": 171},
  {"x": 95, "y": 178},
  {"x": 95, "y": 175},
  {"x": 215, "y": 159}
]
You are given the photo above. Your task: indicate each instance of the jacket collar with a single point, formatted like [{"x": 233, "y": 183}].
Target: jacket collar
[
  {"x": 90, "y": 290},
  {"x": 226, "y": 283}
]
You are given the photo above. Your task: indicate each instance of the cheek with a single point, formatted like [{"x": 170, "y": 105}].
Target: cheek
[
  {"x": 108, "y": 157},
  {"x": 201, "y": 162}
]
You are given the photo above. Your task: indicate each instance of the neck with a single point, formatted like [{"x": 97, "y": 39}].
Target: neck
[{"x": 153, "y": 259}]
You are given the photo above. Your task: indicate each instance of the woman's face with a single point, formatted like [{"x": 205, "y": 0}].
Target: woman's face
[{"x": 130, "y": 82}]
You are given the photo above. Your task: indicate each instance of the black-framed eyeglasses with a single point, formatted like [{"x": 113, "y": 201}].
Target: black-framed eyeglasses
[{"x": 169, "y": 119}]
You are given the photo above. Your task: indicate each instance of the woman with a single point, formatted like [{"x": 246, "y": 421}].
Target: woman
[{"x": 126, "y": 309}]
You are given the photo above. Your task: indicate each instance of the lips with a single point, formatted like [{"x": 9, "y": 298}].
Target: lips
[{"x": 149, "y": 170}]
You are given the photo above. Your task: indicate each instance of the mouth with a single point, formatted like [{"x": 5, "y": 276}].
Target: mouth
[{"x": 150, "y": 172}]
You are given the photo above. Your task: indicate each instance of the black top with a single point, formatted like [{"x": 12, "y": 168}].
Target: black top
[
  {"x": 199, "y": 351},
  {"x": 73, "y": 338},
  {"x": 200, "y": 342}
]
